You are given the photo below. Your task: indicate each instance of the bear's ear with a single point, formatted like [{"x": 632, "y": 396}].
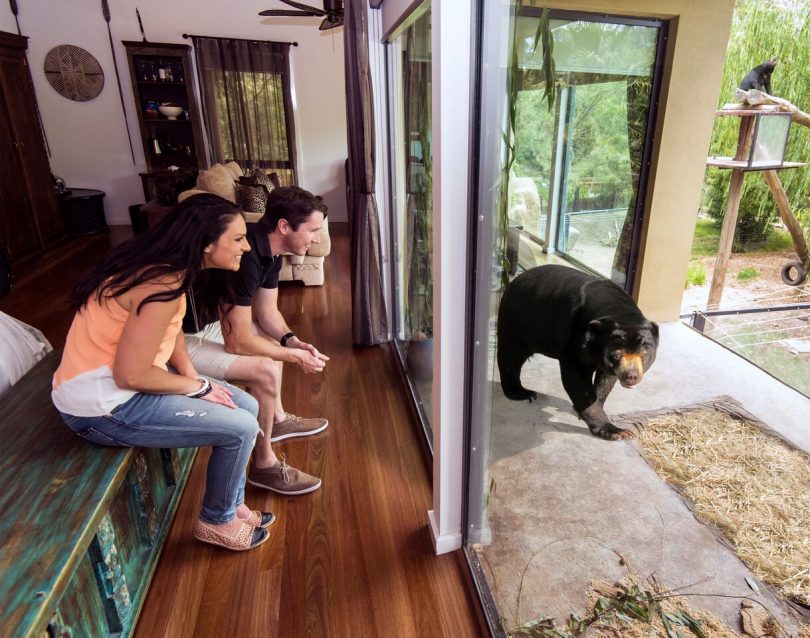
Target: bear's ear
[
  {"x": 597, "y": 328},
  {"x": 604, "y": 324}
]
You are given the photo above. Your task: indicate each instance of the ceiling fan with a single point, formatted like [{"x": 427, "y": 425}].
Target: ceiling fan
[{"x": 332, "y": 12}]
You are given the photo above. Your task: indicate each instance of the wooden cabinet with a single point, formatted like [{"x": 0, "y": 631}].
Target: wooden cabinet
[
  {"x": 162, "y": 73},
  {"x": 29, "y": 215}
]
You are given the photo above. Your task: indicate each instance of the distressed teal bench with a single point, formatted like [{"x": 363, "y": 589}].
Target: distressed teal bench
[{"x": 81, "y": 526}]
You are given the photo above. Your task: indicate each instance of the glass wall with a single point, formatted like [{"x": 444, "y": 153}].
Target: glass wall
[
  {"x": 562, "y": 141},
  {"x": 578, "y": 157},
  {"x": 409, "y": 74}
]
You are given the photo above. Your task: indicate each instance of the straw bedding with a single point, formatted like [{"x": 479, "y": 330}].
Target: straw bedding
[{"x": 751, "y": 485}]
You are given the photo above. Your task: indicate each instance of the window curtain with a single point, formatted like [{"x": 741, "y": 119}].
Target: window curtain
[
  {"x": 369, "y": 319},
  {"x": 247, "y": 103}
]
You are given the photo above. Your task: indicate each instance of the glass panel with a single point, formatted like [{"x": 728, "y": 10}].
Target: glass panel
[
  {"x": 770, "y": 140},
  {"x": 572, "y": 183},
  {"x": 410, "y": 73},
  {"x": 589, "y": 148}
]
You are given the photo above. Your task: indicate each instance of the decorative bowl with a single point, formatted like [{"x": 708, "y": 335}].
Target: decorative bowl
[{"x": 169, "y": 111}]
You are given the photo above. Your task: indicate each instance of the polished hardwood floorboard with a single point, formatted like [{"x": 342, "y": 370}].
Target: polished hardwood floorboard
[{"x": 351, "y": 559}]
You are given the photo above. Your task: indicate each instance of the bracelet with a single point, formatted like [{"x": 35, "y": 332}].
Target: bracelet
[
  {"x": 283, "y": 341},
  {"x": 205, "y": 389}
]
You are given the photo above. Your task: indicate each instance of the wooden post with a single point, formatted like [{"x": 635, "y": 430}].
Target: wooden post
[
  {"x": 726, "y": 237},
  {"x": 795, "y": 230},
  {"x": 732, "y": 208}
]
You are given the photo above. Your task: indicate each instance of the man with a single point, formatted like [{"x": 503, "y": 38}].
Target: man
[{"x": 257, "y": 339}]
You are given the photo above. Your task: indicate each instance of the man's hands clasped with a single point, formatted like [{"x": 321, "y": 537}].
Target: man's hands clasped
[{"x": 308, "y": 358}]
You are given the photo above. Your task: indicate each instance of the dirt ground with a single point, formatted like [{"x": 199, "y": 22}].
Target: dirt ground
[{"x": 766, "y": 290}]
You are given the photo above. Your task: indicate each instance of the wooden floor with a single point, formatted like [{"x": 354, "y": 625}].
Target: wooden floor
[{"x": 352, "y": 559}]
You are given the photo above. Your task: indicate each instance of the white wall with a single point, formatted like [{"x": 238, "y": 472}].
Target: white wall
[{"x": 88, "y": 140}]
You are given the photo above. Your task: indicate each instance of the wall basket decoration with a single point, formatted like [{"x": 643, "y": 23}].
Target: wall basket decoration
[{"x": 74, "y": 73}]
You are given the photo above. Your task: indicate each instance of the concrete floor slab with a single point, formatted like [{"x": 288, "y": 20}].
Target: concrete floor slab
[{"x": 569, "y": 508}]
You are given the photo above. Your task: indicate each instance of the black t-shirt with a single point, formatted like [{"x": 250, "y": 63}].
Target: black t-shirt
[{"x": 259, "y": 269}]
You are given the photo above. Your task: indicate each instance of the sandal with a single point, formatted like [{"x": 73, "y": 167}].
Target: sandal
[
  {"x": 260, "y": 519},
  {"x": 247, "y": 538}
]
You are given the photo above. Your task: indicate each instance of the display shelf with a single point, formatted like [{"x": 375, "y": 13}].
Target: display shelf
[{"x": 160, "y": 73}]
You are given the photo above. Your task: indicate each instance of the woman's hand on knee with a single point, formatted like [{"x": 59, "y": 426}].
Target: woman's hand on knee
[{"x": 220, "y": 394}]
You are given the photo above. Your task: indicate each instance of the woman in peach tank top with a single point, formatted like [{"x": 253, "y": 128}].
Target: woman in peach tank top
[{"x": 126, "y": 379}]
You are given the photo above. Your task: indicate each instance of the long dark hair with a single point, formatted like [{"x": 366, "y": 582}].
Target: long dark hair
[{"x": 174, "y": 247}]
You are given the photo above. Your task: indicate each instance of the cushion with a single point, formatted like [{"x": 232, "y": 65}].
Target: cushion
[
  {"x": 234, "y": 169},
  {"x": 217, "y": 180},
  {"x": 251, "y": 197},
  {"x": 258, "y": 176},
  {"x": 190, "y": 193},
  {"x": 22, "y": 346}
]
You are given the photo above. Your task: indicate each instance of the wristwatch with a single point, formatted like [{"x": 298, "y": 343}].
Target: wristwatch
[{"x": 283, "y": 341}]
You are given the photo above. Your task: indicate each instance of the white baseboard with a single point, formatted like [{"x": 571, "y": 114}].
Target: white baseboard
[{"x": 442, "y": 543}]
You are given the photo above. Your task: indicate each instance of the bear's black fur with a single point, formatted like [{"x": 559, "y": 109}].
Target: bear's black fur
[
  {"x": 759, "y": 77},
  {"x": 590, "y": 325}
]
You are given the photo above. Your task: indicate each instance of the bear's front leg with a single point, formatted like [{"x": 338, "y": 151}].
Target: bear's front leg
[
  {"x": 599, "y": 424},
  {"x": 588, "y": 398}
]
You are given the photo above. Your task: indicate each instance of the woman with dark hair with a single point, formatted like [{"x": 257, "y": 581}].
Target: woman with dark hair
[{"x": 114, "y": 385}]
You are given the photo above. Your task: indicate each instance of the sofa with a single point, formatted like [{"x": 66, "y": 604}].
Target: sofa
[{"x": 231, "y": 182}]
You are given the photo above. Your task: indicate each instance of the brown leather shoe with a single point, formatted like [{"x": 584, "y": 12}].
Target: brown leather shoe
[
  {"x": 294, "y": 426},
  {"x": 283, "y": 479}
]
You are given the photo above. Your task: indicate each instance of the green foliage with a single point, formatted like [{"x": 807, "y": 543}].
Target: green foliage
[
  {"x": 777, "y": 241},
  {"x": 696, "y": 274},
  {"x": 761, "y": 29},
  {"x": 747, "y": 274}
]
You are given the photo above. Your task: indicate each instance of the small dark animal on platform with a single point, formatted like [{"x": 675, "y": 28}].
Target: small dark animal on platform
[
  {"x": 759, "y": 77},
  {"x": 589, "y": 324}
]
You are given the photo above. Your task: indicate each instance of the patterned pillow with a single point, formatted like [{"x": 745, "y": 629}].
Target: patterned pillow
[
  {"x": 258, "y": 176},
  {"x": 251, "y": 197}
]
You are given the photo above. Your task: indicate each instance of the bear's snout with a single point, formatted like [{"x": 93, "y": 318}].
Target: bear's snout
[{"x": 630, "y": 370}]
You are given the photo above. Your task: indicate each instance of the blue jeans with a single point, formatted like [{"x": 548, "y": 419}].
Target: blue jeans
[{"x": 173, "y": 420}]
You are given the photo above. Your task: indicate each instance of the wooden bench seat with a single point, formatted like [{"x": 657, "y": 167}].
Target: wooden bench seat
[{"x": 81, "y": 525}]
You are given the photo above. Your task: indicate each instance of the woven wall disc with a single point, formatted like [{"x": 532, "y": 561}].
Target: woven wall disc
[{"x": 74, "y": 73}]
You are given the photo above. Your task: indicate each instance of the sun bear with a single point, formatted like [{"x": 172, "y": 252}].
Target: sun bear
[{"x": 592, "y": 326}]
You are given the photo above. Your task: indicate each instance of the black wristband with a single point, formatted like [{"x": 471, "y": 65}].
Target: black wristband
[{"x": 283, "y": 341}]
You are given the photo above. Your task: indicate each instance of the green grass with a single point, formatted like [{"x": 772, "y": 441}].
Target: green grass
[
  {"x": 777, "y": 241},
  {"x": 696, "y": 275},
  {"x": 747, "y": 274},
  {"x": 706, "y": 239}
]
